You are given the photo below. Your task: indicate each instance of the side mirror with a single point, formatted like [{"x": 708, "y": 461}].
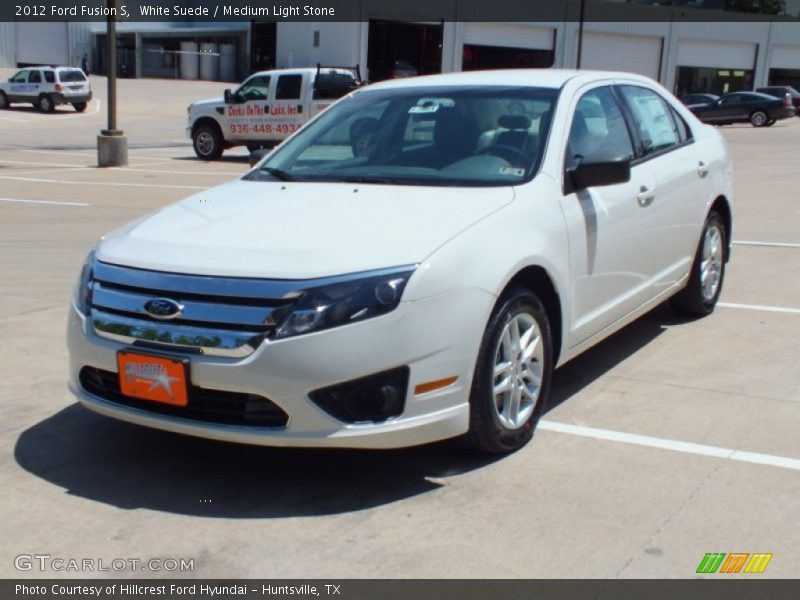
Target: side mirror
[
  {"x": 591, "y": 174},
  {"x": 228, "y": 96}
]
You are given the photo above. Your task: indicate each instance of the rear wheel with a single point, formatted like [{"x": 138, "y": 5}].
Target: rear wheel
[
  {"x": 701, "y": 293},
  {"x": 46, "y": 104},
  {"x": 512, "y": 374},
  {"x": 759, "y": 118},
  {"x": 207, "y": 141},
  {"x": 4, "y": 103},
  {"x": 79, "y": 106}
]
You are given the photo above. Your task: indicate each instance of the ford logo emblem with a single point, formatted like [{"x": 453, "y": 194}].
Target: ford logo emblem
[{"x": 163, "y": 308}]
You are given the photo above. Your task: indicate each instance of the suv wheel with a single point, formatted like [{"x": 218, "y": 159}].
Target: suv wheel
[
  {"x": 79, "y": 106},
  {"x": 759, "y": 118},
  {"x": 701, "y": 293},
  {"x": 3, "y": 101},
  {"x": 512, "y": 374},
  {"x": 207, "y": 141},
  {"x": 46, "y": 104}
]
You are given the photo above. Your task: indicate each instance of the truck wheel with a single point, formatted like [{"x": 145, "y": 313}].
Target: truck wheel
[
  {"x": 207, "y": 142},
  {"x": 79, "y": 106},
  {"x": 759, "y": 118},
  {"x": 3, "y": 101},
  {"x": 46, "y": 104},
  {"x": 512, "y": 374}
]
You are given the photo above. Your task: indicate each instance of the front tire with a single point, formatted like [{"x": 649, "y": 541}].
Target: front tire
[
  {"x": 4, "y": 103},
  {"x": 759, "y": 118},
  {"x": 45, "y": 104},
  {"x": 701, "y": 293},
  {"x": 512, "y": 374},
  {"x": 207, "y": 142}
]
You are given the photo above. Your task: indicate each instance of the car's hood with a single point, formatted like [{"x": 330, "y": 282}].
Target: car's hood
[
  {"x": 299, "y": 230},
  {"x": 208, "y": 103}
]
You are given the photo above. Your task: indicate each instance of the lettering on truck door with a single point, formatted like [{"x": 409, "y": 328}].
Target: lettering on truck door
[{"x": 246, "y": 116}]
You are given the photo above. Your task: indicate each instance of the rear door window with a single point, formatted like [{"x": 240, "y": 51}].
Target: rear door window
[
  {"x": 35, "y": 77},
  {"x": 49, "y": 77},
  {"x": 658, "y": 130},
  {"x": 289, "y": 87}
]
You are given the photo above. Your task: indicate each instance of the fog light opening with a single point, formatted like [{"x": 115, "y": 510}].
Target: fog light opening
[{"x": 374, "y": 399}]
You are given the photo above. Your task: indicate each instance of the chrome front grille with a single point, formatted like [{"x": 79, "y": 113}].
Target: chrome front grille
[{"x": 219, "y": 316}]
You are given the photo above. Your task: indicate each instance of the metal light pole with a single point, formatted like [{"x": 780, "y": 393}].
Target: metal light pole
[
  {"x": 112, "y": 145},
  {"x": 580, "y": 33}
]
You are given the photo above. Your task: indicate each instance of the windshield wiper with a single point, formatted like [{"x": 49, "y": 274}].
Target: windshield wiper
[
  {"x": 377, "y": 180},
  {"x": 281, "y": 174}
]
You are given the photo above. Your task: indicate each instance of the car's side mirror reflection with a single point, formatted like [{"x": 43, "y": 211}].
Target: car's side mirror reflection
[{"x": 594, "y": 173}]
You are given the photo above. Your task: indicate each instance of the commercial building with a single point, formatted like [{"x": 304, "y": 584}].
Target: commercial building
[{"x": 684, "y": 55}]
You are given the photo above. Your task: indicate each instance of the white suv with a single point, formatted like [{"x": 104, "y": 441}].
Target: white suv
[
  {"x": 46, "y": 88},
  {"x": 418, "y": 283}
]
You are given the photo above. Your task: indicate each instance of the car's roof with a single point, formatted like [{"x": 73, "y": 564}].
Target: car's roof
[
  {"x": 50, "y": 68},
  {"x": 547, "y": 78},
  {"x": 300, "y": 70}
]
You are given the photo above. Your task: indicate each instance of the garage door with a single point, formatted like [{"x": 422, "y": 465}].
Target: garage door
[
  {"x": 509, "y": 35},
  {"x": 610, "y": 52},
  {"x": 729, "y": 55},
  {"x": 785, "y": 56},
  {"x": 42, "y": 43}
]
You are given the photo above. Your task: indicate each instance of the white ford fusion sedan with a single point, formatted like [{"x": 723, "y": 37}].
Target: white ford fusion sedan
[{"x": 410, "y": 266}]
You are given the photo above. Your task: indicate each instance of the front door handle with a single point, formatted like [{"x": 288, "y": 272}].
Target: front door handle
[
  {"x": 645, "y": 196},
  {"x": 702, "y": 169}
]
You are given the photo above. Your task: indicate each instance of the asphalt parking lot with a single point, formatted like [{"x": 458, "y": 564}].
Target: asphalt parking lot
[{"x": 670, "y": 440}]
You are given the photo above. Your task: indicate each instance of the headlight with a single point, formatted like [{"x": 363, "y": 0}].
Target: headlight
[
  {"x": 346, "y": 302},
  {"x": 82, "y": 293}
]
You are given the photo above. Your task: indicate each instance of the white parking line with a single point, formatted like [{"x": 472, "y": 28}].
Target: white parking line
[
  {"x": 34, "y": 166},
  {"x": 44, "y": 202},
  {"x": 778, "y": 309},
  {"x": 674, "y": 445},
  {"x": 767, "y": 244},
  {"x": 108, "y": 183}
]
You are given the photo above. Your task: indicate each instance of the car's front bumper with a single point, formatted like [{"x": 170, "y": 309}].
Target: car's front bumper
[{"x": 436, "y": 338}]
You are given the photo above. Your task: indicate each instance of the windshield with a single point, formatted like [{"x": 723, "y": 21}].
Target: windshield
[
  {"x": 425, "y": 135},
  {"x": 72, "y": 75}
]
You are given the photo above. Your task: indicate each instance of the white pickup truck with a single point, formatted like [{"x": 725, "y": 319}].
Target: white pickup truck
[{"x": 266, "y": 108}]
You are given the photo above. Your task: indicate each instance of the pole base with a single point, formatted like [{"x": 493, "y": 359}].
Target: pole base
[{"x": 112, "y": 150}]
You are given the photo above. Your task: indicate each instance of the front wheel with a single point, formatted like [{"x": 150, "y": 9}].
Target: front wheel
[
  {"x": 759, "y": 118},
  {"x": 207, "y": 142},
  {"x": 512, "y": 374},
  {"x": 79, "y": 106},
  {"x": 46, "y": 104},
  {"x": 4, "y": 103},
  {"x": 701, "y": 293}
]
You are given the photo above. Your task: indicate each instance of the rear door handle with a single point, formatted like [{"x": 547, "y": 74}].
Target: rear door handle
[
  {"x": 702, "y": 169},
  {"x": 645, "y": 196}
]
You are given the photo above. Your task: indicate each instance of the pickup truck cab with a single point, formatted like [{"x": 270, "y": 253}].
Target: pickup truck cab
[
  {"x": 266, "y": 108},
  {"x": 46, "y": 88}
]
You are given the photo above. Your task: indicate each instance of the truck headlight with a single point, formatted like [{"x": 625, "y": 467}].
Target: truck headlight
[
  {"x": 345, "y": 302},
  {"x": 82, "y": 293}
]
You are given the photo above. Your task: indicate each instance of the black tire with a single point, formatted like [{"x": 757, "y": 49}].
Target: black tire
[
  {"x": 45, "y": 103},
  {"x": 691, "y": 300},
  {"x": 758, "y": 118},
  {"x": 79, "y": 106},
  {"x": 207, "y": 141},
  {"x": 487, "y": 432},
  {"x": 4, "y": 103}
]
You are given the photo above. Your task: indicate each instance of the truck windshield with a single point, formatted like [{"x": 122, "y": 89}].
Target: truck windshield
[{"x": 469, "y": 136}]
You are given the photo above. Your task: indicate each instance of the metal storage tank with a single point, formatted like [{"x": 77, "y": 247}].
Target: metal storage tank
[
  {"x": 227, "y": 62},
  {"x": 209, "y": 61},
  {"x": 189, "y": 61}
]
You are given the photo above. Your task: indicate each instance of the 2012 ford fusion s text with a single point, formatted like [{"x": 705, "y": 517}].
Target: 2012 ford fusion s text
[{"x": 410, "y": 266}]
